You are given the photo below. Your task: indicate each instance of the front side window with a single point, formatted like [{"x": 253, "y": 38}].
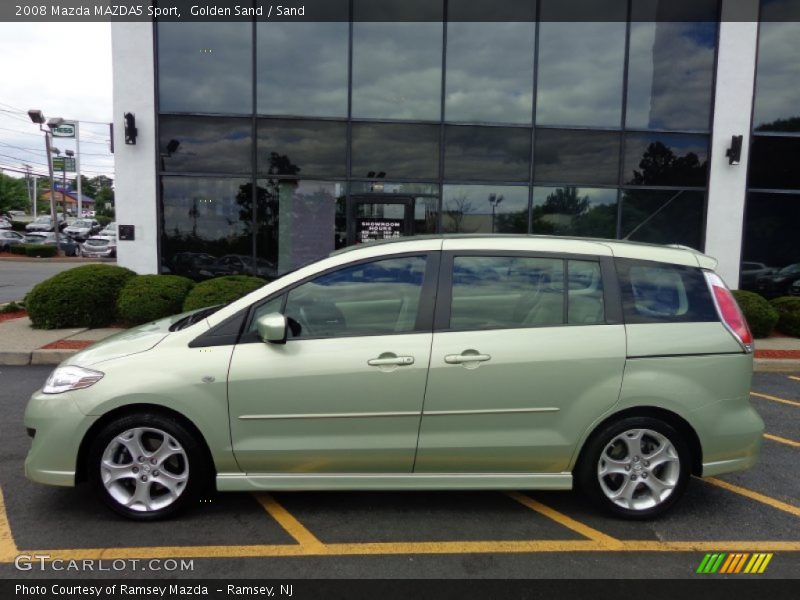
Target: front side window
[{"x": 375, "y": 298}]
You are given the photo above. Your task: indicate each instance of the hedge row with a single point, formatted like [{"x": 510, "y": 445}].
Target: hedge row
[
  {"x": 763, "y": 316},
  {"x": 33, "y": 250},
  {"x": 101, "y": 295}
]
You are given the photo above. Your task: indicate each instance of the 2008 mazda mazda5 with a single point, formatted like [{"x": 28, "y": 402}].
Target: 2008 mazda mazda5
[{"x": 465, "y": 362}]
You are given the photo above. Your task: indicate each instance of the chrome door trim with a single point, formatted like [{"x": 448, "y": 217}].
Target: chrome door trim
[
  {"x": 490, "y": 411},
  {"x": 353, "y": 415}
]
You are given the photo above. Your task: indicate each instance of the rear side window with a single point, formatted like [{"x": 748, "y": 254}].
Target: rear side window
[{"x": 663, "y": 293}]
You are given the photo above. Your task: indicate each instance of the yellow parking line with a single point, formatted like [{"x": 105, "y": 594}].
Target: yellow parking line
[
  {"x": 562, "y": 519},
  {"x": 8, "y": 549},
  {"x": 287, "y": 520},
  {"x": 775, "y": 399},
  {"x": 390, "y": 548},
  {"x": 781, "y": 440},
  {"x": 794, "y": 377},
  {"x": 753, "y": 495}
]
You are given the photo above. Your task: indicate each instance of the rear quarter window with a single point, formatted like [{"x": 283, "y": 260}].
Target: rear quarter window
[{"x": 662, "y": 293}]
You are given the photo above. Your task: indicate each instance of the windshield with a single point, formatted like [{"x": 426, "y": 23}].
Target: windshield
[
  {"x": 82, "y": 224},
  {"x": 42, "y": 220},
  {"x": 195, "y": 317}
]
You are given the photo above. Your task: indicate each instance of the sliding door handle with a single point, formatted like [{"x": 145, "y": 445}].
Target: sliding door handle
[{"x": 468, "y": 356}]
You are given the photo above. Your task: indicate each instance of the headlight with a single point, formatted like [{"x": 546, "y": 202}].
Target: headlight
[{"x": 64, "y": 379}]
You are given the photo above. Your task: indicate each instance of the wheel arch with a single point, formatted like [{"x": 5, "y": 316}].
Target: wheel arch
[
  {"x": 681, "y": 425},
  {"x": 129, "y": 409}
]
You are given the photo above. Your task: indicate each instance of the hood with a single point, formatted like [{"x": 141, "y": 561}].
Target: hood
[{"x": 131, "y": 341}]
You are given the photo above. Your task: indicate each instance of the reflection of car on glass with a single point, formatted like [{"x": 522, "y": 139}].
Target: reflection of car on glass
[
  {"x": 8, "y": 239},
  {"x": 191, "y": 264},
  {"x": 778, "y": 283},
  {"x": 240, "y": 264},
  {"x": 436, "y": 363},
  {"x": 110, "y": 229},
  {"x": 751, "y": 273},
  {"x": 68, "y": 246},
  {"x": 45, "y": 223},
  {"x": 794, "y": 289},
  {"x": 82, "y": 229},
  {"x": 100, "y": 246}
]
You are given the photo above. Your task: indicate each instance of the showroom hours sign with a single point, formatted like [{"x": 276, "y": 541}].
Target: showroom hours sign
[{"x": 370, "y": 230}]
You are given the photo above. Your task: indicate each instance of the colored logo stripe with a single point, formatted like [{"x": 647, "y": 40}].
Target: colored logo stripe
[{"x": 736, "y": 562}]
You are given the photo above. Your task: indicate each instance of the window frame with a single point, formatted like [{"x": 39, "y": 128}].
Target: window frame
[{"x": 612, "y": 300}]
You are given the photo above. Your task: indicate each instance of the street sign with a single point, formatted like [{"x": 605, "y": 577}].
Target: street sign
[
  {"x": 64, "y": 163},
  {"x": 65, "y": 130}
]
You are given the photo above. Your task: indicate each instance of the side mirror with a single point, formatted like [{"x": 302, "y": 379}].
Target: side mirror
[{"x": 272, "y": 328}]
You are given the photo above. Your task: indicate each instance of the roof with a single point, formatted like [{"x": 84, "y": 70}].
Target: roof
[
  {"x": 671, "y": 253},
  {"x": 74, "y": 196}
]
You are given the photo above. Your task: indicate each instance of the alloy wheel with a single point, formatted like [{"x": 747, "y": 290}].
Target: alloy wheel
[
  {"x": 144, "y": 469},
  {"x": 638, "y": 469}
]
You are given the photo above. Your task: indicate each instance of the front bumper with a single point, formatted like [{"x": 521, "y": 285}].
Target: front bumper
[{"x": 60, "y": 426}]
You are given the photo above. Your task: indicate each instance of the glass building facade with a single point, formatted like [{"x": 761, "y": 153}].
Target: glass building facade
[
  {"x": 771, "y": 244},
  {"x": 282, "y": 141}
]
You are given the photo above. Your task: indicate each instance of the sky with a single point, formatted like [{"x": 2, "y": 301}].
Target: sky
[{"x": 79, "y": 88}]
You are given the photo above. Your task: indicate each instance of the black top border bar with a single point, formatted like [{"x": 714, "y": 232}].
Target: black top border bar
[{"x": 399, "y": 10}]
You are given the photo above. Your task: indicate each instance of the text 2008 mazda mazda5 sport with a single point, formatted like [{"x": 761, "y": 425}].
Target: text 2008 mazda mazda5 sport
[{"x": 430, "y": 363}]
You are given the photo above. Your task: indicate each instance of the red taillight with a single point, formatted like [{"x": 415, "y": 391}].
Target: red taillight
[{"x": 729, "y": 311}]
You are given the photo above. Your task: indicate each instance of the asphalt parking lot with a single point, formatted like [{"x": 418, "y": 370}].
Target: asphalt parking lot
[{"x": 415, "y": 535}]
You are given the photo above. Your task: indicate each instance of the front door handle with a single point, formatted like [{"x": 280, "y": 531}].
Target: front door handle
[
  {"x": 389, "y": 361},
  {"x": 468, "y": 356}
]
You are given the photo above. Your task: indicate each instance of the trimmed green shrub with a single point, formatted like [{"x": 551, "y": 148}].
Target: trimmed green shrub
[
  {"x": 103, "y": 220},
  {"x": 788, "y": 308},
  {"x": 760, "y": 315},
  {"x": 11, "y": 307},
  {"x": 81, "y": 297},
  {"x": 221, "y": 290},
  {"x": 17, "y": 249},
  {"x": 149, "y": 297},
  {"x": 39, "y": 250}
]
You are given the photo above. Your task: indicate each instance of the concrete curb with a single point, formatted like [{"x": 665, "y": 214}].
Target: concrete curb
[{"x": 776, "y": 365}]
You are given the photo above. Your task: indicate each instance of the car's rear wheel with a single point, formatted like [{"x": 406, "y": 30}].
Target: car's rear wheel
[
  {"x": 146, "y": 467},
  {"x": 636, "y": 468}
]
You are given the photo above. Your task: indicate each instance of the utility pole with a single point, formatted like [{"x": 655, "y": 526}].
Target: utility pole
[
  {"x": 78, "y": 166},
  {"x": 28, "y": 181},
  {"x": 53, "y": 215},
  {"x": 35, "y": 197}
]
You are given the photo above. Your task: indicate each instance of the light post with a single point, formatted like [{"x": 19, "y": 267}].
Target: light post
[
  {"x": 494, "y": 200},
  {"x": 70, "y": 154},
  {"x": 37, "y": 117}
]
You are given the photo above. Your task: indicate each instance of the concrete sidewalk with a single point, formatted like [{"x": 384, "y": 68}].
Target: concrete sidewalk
[{"x": 20, "y": 344}]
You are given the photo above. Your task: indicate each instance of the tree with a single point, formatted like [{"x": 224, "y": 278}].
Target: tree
[
  {"x": 13, "y": 193},
  {"x": 456, "y": 209}
]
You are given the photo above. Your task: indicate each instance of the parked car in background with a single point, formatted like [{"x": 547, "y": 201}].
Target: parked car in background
[
  {"x": 194, "y": 265},
  {"x": 241, "y": 264},
  {"x": 780, "y": 282},
  {"x": 5, "y": 223},
  {"x": 88, "y": 214},
  {"x": 619, "y": 368},
  {"x": 794, "y": 290},
  {"x": 110, "y": 229},
  {"x": 751, "y": 273},
  {"x": 68, "y": 246},
  {"x": 82, "y": 229},
  {"x": 15, "y": 214},
  {"x": 45, "y": 223},
  {"x": 100, "y": 246},
  {"x": 10, "y": 238}
]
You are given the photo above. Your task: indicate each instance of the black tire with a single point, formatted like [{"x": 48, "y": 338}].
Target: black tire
[
  {"x": 588, "y": 478},
  {"x": 195, "y": 464}
]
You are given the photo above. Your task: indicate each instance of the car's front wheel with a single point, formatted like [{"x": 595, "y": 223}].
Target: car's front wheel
[
  {"x": 146, "y": 467},
  {"x": 636, "y": 468}
]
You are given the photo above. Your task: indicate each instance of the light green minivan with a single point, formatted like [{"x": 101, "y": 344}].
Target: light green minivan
[{"x": 463, "y": 362}]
